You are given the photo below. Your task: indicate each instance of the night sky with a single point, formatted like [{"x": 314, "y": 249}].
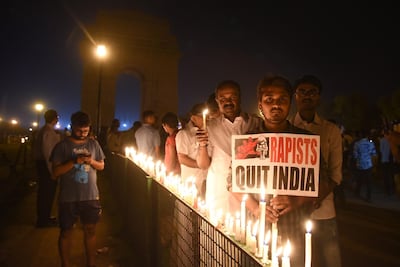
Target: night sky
[{"x": 349, "y": 47}]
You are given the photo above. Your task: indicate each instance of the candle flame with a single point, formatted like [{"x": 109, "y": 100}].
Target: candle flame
[
  {"x": 308, "y": 226},
  {"x": 262, "y": 194},
  {"x": 287, "y": 250},
  {"x": 205, "y": 112}
]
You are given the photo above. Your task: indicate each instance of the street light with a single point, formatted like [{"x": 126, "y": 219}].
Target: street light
[
  {"x": 39, "y": 107},
  {"x": 101, "y": 53}
]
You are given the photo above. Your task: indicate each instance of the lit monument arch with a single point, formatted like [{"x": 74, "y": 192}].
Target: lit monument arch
[{"x": 138, "y": 44}]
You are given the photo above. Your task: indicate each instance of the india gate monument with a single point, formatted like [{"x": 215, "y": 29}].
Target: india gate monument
[{"x": 139, "y": 45}]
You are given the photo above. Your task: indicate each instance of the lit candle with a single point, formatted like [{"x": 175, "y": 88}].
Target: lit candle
[
  {"x": 266, "y": 247},
  {"x": 205, "y": 112},
  {"x": 253, "y": 242},
  {"x": 243, "y": 219},
  {"x": 286, "y": 254},
  {"x": 237, "y": 227},
  {"x": 275, "y": 259},
  {"x": 231, "y": 221},
  {"x": 261, "y": 231},
  {"x": 274, "y": 237},
  {"x": 248, "y": 233},
  {"x": 227, "y": 218},
  {"x": 308, "y": 244}
]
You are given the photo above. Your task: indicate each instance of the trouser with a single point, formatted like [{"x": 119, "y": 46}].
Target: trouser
[
  {"x": 364, "y": 177},
  {"x": 46, "y": 192},
  {"x": 325, "y": 244},
  {"x": 388, "y": 177}
]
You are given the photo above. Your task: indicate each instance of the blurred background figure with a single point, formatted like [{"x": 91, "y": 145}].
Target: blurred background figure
[
  {"x": 128, "y": 137},
  {"x": 170, "y": 125},
  {"x": 114, "y": 137},
  {"x": 46, "y": 139},
  {"x": 148, "y": 137}
]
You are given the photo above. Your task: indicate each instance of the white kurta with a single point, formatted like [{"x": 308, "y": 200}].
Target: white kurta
[{"x": 219, "y": 176}]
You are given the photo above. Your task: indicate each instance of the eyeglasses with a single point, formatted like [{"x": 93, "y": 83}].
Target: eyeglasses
[{"x": 304, "y": 92}]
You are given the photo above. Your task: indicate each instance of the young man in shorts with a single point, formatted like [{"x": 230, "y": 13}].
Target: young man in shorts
[{"x": 76, "y": 160}]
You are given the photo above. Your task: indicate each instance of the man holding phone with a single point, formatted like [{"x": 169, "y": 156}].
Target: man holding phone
[{"x": 76, "y": 160}]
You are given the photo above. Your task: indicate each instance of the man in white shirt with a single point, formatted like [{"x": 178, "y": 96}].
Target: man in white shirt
[
  {"x": 187, "y": 147},
  {"x": 326, "y": 251},
  {"x": 215, "y": 148}
]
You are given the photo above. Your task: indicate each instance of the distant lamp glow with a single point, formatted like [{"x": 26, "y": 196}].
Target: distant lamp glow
[
  {"x": 34, "y": 124},
  {"x": 39, "y": 108},
  {"x": 14, "y": 122},
  {"x": 101, "y": 53}
]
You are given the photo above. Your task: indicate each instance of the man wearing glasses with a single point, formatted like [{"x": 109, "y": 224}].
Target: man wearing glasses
[
  {"x": 325, "y": 245},
  {"x": 76, "y": 160}
]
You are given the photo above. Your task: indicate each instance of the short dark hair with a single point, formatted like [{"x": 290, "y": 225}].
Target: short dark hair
[
  {"x": 273, "y": 80},
  {"x": 311, "y": 79},
  {"x": 80, "y": 119},
  {"x": 50, "y": 115},
  {"x": 198, "y": 109},
  {"x": 170, "y": 119},
  {"x": 227, "y": 83},
  {"x": 212, "y": 104},
  {"x": 147, "y": 113}
]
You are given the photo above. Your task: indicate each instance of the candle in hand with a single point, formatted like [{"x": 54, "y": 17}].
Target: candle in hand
[
  {"x": 274, "y": 237},
  {"x": 308, "y": 244},
  {"x": 205, "y": 112}
]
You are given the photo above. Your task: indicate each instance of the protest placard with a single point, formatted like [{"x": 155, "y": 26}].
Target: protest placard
[{"x": 276, "y": 163}]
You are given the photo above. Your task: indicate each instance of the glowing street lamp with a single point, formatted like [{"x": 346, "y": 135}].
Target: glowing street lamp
[
  {"x": 39, "y": 108},
  {"x": 101, "y": 53}
]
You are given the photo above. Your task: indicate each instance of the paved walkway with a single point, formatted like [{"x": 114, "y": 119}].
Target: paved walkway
[
  {"x": 378, "y": 196},
  {"x": 21, "y": 244}
]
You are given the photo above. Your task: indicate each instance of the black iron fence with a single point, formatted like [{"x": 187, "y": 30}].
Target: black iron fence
[{"x": 165, "y": 230}]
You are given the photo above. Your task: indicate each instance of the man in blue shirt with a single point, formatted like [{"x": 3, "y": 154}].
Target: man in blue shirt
[
  {"x": 364, "y": 153},
  {"x": 76, "y": 160}
]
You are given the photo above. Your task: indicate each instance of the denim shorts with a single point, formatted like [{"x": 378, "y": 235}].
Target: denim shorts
[{"x": 88, "y": 212}]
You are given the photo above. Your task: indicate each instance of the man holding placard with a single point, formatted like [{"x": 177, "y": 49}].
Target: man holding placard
[{"x": 291, "y": 167}]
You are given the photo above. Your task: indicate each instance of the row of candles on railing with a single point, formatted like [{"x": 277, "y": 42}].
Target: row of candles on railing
[{"x": 252, "y": 235}]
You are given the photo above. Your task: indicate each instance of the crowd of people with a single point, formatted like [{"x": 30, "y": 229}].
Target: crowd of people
[{"x": 191, "y": 149}]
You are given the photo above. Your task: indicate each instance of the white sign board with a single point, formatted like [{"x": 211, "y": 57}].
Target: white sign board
[{"x": 276, "y": 163}]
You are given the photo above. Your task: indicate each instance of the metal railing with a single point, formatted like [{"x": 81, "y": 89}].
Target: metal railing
[{"x": 163, "y": 229}]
